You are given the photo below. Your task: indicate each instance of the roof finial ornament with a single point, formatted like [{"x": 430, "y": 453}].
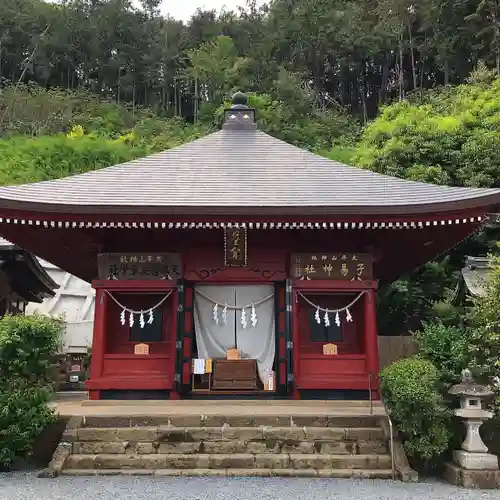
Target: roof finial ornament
[
  {"x": 240, "y": 99},
  {"x": 239, "y": 116}
]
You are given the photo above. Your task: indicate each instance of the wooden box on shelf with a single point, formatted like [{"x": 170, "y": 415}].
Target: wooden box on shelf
[{"x": 236, "y": 375}]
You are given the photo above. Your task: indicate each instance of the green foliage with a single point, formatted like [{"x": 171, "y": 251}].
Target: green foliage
[
  {"x": 98, "y": 134},
  {"x": 306, "y": 128},
  {"x": 485, "y": 344},
  {"x": 411, "y": 390},
  {"x": 173, "y": 133},
  {"x": 30, "y": 110},
  {"x": 403, "y": 305},
  {"x": 27, "y": 347},
  {"x": 451, "y": 137},
  {"x": 482, "y": 74},
  {"x": 49, "y": 157},
  {"x": 354, "y": 55},
  {"x": 446, "y": 136},
  {"x": 446, "y": 347},
  {"x": 485, "y": 321},
  {"x": 24, "y": 415},
  {"x": 216, "y": 65},
  {"x": 341, "y": 154}
]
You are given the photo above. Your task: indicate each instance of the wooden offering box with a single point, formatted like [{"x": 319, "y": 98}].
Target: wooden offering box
[{"x": 237, "y": 375}]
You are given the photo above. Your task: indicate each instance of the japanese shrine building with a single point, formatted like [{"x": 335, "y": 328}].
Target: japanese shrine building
[{"x": 237, "y": 240}]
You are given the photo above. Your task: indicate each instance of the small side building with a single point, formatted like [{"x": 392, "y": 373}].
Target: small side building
[{"x": 22, "y": 279}]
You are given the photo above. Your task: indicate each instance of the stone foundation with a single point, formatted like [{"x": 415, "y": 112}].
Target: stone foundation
[
  {"x": 260, "y": 445},
  {"x": 476, "y": 479}
]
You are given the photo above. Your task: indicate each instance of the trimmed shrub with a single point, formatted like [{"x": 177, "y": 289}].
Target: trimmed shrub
[
  {"x": 27, "y": 348},
  {"x": 411, "y": 391},
  {"x": 24, "y": 415}
]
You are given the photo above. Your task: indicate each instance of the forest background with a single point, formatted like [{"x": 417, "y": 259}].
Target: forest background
[{"x": 405, "y": 88}]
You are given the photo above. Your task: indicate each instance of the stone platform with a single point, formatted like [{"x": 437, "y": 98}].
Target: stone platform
[
  {"x": 83, "y": 407},
  {"x": 232, "y": 438},
  {"x": 475, "y": 479}
]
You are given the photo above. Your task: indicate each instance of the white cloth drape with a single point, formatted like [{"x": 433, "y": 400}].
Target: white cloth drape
[
  {"x": 257, "y": 343},
  {"x": 213, "y": 340}
]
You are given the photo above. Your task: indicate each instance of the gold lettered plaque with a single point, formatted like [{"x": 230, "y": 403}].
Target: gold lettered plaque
[
  {"x": 235, "y": 247},
  {"x": 332, "y": 266},
  {"x": 330, "y": 350},
  {"x": 139, "y": 266},
  {"x": 141, "y": 349}
]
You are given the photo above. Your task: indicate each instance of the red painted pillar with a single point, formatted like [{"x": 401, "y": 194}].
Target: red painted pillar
[
  {"x": 371, "y": 342},
  {"x": 174, "y": 395},
  {"x": 98, "y": 340}
]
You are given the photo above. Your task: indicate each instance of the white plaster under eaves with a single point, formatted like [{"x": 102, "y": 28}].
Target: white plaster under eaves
[{"x": 75, "y": 300}]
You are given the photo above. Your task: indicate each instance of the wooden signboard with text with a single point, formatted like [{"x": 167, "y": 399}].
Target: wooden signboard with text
[
  {"x": 330, "y": 350},
  {"x": 141, "y": 349},
  {"x": 139, "y": 266},
  {"x": 235, "y": 247},
  {"x": 327, "y": 266}
]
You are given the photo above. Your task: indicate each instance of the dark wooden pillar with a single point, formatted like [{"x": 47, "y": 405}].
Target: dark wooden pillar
[
  {"x": 371, "y": 344},
  {"x": 98, "y": 340},
  {"x": 296, "y": 342}
]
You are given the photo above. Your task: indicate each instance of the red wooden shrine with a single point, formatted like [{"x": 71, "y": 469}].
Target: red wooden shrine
[
  {"x": 238, "y": 208},
  {"x": 353, "y": 368}
]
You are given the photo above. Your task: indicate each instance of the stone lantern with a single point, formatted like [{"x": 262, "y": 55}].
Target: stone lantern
[{"x": 476, "y": 466}]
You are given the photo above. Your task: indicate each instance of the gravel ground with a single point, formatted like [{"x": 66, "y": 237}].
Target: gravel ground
[{"x": 25, "y": 486}]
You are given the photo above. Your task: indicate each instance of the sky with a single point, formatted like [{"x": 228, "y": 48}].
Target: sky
[{"x": 183, "y": 9}]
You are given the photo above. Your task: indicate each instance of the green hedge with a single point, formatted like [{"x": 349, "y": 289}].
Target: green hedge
[
  {"x": 411, "y": 390},
  {"x": 27, "y": 348}
]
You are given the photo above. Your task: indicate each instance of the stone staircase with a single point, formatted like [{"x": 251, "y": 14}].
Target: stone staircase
[{"x": 229, "y": 445}]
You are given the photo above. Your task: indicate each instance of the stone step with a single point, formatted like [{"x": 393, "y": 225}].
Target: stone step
[
  {"x": 224, "y": 433},
  {"x": 228, "y": 461},
  {"x": 218, "y": 447},
  {"x": 186, "y": 404},
  {"x": 247, "y": 420},
  {"x": 332, "y": 473}
]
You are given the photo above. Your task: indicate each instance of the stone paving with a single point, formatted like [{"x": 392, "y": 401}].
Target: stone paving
[
  {"x": 25, "y": 486},
  {"x": 214, "y": 407}
]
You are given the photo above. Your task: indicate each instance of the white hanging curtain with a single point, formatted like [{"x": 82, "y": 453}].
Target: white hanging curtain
[
  {"x": 259, "y": 342},
  {"x": 215, "y": 337}
]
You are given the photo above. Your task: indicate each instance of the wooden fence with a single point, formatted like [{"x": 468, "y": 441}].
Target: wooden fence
[{"x": 391, "y": 349}]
